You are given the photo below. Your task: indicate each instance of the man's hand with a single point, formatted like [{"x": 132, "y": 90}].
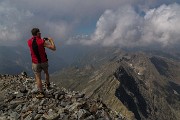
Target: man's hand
[
  {"x": 51, "y": 45},
  {"x": 50, "y": 39}
]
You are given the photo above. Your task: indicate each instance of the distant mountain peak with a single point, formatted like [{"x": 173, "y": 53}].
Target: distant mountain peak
[{"x": 130, "y": 82}]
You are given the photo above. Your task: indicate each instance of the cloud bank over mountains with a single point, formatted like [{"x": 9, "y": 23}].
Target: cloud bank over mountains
[
  {"x": 125, "y": 27},
  {"x": 11, "y": 22},
  {"x": 116, "y": 23}
]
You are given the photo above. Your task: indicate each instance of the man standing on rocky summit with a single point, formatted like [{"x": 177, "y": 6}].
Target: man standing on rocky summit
[{"x": 39, "y": 57}]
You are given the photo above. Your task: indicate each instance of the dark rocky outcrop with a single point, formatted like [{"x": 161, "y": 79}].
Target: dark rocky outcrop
[
  {"x": 145, "y": 92},
  {"x": 129, "y": 93},
  {"x": 18, "y": 101}
]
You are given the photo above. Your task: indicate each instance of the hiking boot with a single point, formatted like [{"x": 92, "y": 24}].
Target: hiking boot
[
  {"x": 47, "y": 85},
  {"x": 40, "y": 95}
]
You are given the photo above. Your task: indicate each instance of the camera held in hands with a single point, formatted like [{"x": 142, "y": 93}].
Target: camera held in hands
[{"x": 46, "y": 39}]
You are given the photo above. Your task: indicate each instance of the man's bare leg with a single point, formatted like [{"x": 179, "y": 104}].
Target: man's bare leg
[
  {"x": 39, "y": 82},
  {"x": 47, "y": 77}
]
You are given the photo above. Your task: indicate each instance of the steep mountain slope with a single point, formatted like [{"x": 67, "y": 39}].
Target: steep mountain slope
[
  {"x": 130, "y": 83},
  {"x": 168, "y": 68},
  {"x": 145, "y": 92}
]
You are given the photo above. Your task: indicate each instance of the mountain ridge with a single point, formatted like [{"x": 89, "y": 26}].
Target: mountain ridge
[{"x": 145, "y": 84}]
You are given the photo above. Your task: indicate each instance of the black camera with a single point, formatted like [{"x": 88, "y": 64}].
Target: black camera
[{"x": 45, "y": 39}]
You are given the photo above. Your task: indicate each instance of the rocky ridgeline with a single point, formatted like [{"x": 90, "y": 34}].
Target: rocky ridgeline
[{"x": 18, "y": 101}]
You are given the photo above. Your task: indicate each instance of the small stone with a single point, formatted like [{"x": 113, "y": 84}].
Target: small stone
[
  {"x": 82, "y": 113},
  {"x": 14, "y": 115},
  {"x": 1, "y": 112},
  {"x": 42, "y": 102},
  {"x": 63, "y": 104},
  {"x": 35, "y": 99},
  {"x": 66, "y": 111},
  {"x": 15, "y": 92},
  {"x": 24, "y": 108},
  {"x": 102, "y": 119},
  {"x": 12, "y": 106},
  {"x": 18, "y": 108},
  {"x": 40, "y": 108},
  {"x": 34, "y": 113},
  {"x": 101, "y": 114},
  {"x": 79, "y": 95},
  {"x": 52, "y": 115},
  {"x": 91, "y": 117},
  {"x": 26, "y": 114},
  {"x": 3, "y": 118},
  {"x": 56, "y": 96},
  {"x": 62, "y": 93},
  {"x": 23, "y": 89},
  {"x": 34, "y": 90},
  {"x": 41, "y": 111},
  {"x": 74, "y": 106},
  {"x": 29, "y": 117},
  {"x": 20, "y": 95},
  {"x": 37, "y": 117},
  {"x": 50, "y": 92},
  {"x": 74, "y": 116},
  {"x": 93, "y": 108},
  {"x": 24, "y": 74},
  {"x": 73, "y": 99},
  {"x": 60, "y": 110},
  {"x": 79, "y": 99},
  {"x": 63, "y": 116},
  {"x": 11, "y": 97},
  {"x": 61, "y": 97}
]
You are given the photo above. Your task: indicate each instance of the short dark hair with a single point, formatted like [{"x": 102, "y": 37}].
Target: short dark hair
[{"x": 34, "y": 31}]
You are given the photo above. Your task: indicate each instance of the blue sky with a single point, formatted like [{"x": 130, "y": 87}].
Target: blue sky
[{"x": 105, "y": 22}]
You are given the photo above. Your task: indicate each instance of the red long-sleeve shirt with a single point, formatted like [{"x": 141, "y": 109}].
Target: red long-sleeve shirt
[{"x": 37, "y": 50}]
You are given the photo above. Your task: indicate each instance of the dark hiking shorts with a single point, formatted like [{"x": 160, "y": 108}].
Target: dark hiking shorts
[{"x": 37, "y": 68}]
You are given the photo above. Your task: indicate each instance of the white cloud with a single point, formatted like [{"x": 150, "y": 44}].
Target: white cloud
[
  {"x": 59, "y": 29},
  {"x": 11, "y": 22},
  {"x": 162, "y": 25},
  {"x": 125, "y": 27},
  {"x": 62, "y": 18}
]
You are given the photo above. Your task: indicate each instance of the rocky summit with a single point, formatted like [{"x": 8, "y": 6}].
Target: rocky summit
[{"x": 18, "y": 102}]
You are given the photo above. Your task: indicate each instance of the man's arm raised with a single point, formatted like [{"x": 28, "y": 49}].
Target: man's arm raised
[{"x": 51, "y": 45}]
